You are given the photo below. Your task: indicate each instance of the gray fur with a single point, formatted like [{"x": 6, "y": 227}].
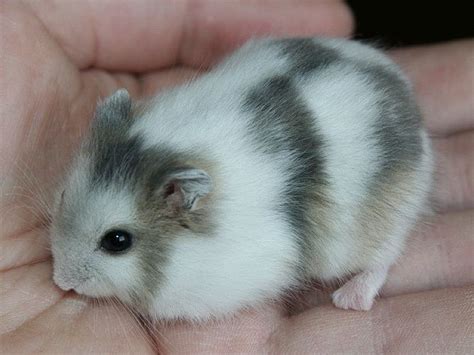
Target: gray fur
[
  {"x": 114, "y": 154},
  {"x": 114, "y": 114},
  {"x": 306, "y": 55},
  {"x": 398, "y": 129},
  {"x": 282, "y": 126}
]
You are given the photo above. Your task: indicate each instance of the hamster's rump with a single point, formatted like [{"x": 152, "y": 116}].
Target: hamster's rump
[{"x": 295, "y": 158}]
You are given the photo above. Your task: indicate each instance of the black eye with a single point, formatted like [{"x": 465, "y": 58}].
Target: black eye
[{"x": 116, "y": 241}]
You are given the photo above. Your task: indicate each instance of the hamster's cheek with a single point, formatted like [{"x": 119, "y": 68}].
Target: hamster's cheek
[{"x": 121, "y": 274}]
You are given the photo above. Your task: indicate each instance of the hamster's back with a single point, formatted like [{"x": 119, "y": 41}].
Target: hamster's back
[{"x": 320, "y": 137}]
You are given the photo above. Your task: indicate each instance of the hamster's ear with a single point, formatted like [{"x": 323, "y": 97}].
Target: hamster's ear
[
  {"x": 184, "y": 187},
  {"x": 115, "y": 108}
]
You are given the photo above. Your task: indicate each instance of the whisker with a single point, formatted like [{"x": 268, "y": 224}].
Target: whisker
[
  {"x": 33, "y": 184},
  {"x": 124, "y": 331},
  {"x": 39, "y": 213},
  {"x": 143, "y": 329}
]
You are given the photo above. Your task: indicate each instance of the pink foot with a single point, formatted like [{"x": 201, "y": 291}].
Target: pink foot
[
  {"x": 359, "y": 292},
  {"x": 351, "y": 296}
]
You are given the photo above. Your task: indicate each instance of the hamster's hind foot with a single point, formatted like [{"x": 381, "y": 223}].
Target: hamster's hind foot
[{"x": 359, "y": 292}]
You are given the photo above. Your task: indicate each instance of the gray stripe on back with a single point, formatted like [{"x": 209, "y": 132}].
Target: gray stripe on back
[
  {"x": 281, "y": 126},
  {"x": 306, "y": 55},
  {"x": 397, "y": 130}
]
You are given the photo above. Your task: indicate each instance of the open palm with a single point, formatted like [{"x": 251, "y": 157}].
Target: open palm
[{"x": 58, "y": 57}]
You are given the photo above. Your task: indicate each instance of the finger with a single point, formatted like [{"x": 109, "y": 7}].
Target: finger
[
  {"x": 26, "y": 247},
  {"x": 33, "y": 108},
  {"x": 103, "y": 83},
  {"x": 148, "y": 34},
  {"x": 438, "y": 255},
  {"x": 26, "y": 292},
  {"x": 243, "y": 333},
  {"x": 153, "y": 82},
  {"x": 429, "y": 322},
  {"x": 37, "y": 316},
  {"x": 72, "y": 323},
  {"x": 443, "y": 75},
  {"x": 454, "y": 157},
  {"x": 217, "y": 27}
]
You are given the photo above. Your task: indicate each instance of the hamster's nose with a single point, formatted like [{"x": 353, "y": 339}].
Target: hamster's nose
[{"x": 63, "y": 283}]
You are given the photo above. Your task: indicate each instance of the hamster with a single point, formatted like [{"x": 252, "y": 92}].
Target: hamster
[{"x": 292, "y": 160}]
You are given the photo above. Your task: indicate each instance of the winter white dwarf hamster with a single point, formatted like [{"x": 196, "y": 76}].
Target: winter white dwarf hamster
[{"x": 293, "y": 159}]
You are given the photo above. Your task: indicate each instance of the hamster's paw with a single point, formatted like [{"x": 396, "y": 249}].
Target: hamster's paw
[
  {"x": 352, "y": 296},
  {"x": 359, "y": 292}
]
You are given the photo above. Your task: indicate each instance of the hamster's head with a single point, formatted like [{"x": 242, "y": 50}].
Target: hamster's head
[{"x": 120, "y": 209}]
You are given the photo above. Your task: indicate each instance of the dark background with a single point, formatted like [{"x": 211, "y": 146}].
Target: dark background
[{"x": 397, "y": 23}]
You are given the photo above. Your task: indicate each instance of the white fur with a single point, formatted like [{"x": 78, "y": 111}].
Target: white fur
[{"x": 343, "y": 102}]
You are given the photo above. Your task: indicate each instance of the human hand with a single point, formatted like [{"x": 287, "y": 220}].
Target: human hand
[{"x": 57, "y": 59}]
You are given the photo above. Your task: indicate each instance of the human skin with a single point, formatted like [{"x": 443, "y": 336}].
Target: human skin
[{"x": 58, "y": 57}]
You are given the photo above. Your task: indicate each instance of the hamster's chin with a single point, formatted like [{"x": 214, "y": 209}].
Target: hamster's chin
[{"x": 91, "y": 288}]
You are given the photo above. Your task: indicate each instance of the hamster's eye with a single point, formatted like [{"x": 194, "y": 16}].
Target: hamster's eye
[{"x": 116, "y": 241}]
